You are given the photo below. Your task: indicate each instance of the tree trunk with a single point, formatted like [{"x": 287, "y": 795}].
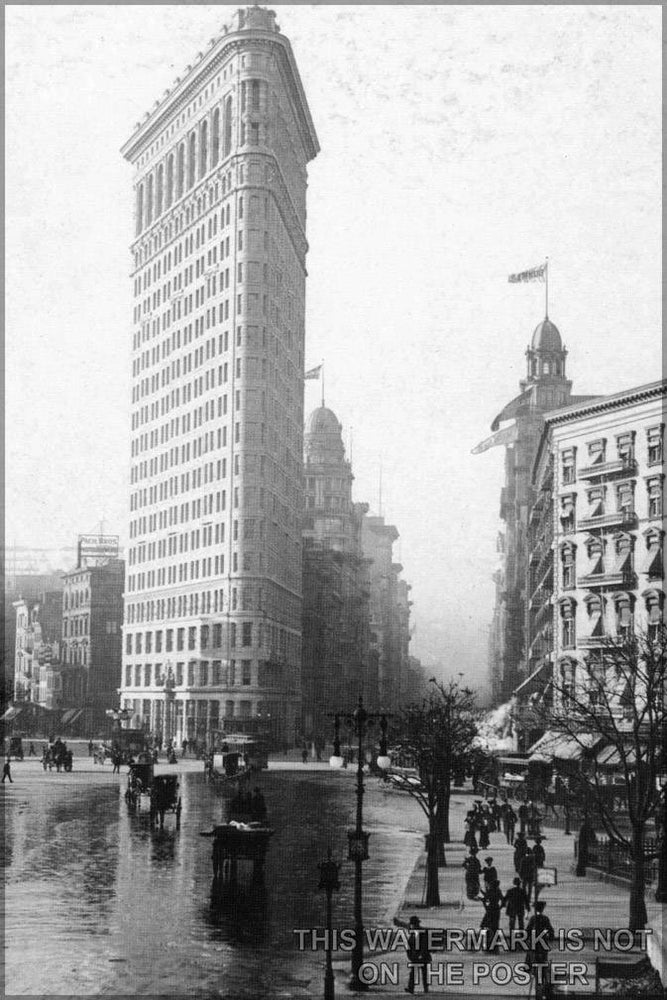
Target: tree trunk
[
  {"x": 440, "y": 820},
  {"x": 445, "y": 813},
  {"x": 638, "y": 916},
  {"x": 432, "y": 881}
]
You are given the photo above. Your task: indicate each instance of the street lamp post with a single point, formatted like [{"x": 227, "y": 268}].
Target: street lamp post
[
  {"x": 661, "y": 890},
  {"x": 358, "y": 838},
  {"x": 329, "y": 882}
]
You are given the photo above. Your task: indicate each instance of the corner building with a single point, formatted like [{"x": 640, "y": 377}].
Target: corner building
[{"x": 212, "y": 634}]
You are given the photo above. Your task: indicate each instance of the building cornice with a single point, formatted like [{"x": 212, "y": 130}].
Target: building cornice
[
  {"x": 208, "y": 64},
  {"x": 652, "y": 390}
]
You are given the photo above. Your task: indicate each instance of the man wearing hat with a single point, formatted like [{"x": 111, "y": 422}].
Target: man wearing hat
[
  {"x": 538, "y": 852},
  {"x": 418, "y": 955}
]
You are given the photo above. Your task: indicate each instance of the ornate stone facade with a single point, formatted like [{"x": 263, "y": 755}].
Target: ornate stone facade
[{"x": 213, "y": 597}]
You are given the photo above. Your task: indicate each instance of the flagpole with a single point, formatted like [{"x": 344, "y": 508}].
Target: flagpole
[
  {"x": 323, "y": 385},
  {"x": 546, "y": 291}
]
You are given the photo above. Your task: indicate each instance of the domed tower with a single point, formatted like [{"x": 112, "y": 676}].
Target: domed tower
[
  {"x": 328, "y": 482},
  {"x": 545, "y": 355}
]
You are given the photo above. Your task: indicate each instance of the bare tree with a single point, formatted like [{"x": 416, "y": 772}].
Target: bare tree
[
  {"x": 435, "y": 736},
  {"x": 619, "y": 698}
]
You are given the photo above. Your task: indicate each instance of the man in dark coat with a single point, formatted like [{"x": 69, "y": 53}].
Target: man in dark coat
[
  {"x": 493, "y": 901},
  {"x": 520, "y": 848},
  {"x": 516, "y": 904},
  {"x": 418, "y": 955},
  {"x": 528, "y": 872},
  {"x": 540, "y": 930}
]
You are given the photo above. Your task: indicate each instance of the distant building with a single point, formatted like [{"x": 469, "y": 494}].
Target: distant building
[
  {"x": 21, "y": 585},
  {"x": 390, "y": 610},
  {"x": 336, "y": 585},
  {"x": 600, "y": 558},
  {"x": 216, "y": 497},
  {"x": 92, "y": 623},
  {"x": 38, "y": 625}
]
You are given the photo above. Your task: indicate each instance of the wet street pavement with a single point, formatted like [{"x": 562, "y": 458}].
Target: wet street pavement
[{"x": 98, "y": 903}]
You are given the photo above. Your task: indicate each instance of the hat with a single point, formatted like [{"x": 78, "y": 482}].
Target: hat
[
  {"x": 415, "y": 922},
  {"x": 488, "y": 859}
]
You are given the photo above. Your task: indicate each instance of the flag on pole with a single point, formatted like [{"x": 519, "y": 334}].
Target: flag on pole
[
  {"x": 313, "y": 372},
  {"x": 534, "y": 274}
]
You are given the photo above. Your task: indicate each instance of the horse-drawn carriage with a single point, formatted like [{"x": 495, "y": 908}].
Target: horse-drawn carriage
[{"x": 162, "y": 791}]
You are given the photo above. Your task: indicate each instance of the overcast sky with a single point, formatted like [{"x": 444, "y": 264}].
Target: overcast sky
[{"x": 458, "y": 144}]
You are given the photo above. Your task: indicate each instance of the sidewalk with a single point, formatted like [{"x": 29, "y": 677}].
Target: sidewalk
[{"x": 587, "y": 904}]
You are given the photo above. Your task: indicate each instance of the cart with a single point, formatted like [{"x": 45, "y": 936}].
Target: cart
[{"x": 164, "y": 795}]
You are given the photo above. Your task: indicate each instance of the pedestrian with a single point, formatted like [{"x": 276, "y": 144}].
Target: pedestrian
[
  {"x": 31, "y": 750},
  {"x": 538, "y": 852},
  {"x": 483, "y": 833},
  {"x": 304, "y": 753},
  {"x": 510, "y": 819},
  {"x": 7, "y": 772},
  {"x": 493, "y": 901},
  {"x": 540, "y": 934},
  {"x": 473, "y": 870},
  {"x": 419, "y": 956},
  {"x": 527, "y": 872},
  {"x": 470, "y": 839},
  {"x": 90, "y": 748},
  {"x": 516, "y": 904},
  {"x": 184, "y": 747},
  {"x": 489, "y": 873},
  {"x": 523, "y": 817},
  {"x": 115, "y": 760},
  {"x": 520, "y": 848}
]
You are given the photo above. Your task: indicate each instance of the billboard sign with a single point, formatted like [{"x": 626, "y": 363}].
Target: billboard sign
[{"x": 96, "y": 550}]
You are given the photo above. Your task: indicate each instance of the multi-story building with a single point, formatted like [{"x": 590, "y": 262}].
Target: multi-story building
[
  {"x": 38, "y": 625},
  {"x": 336, "y": 581},
  {"x": 544, "y": 388},
  {"x": 213, "y": 595},
  {"x": 601, "y": 466},
  {"x": 390, "y": 612},
  {"x": 91, "y": 648},
  {"x": 22, "y": 579}
]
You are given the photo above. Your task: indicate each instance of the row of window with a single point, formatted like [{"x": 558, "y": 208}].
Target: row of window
[
  {"x": 623, "y": 607},
  {"x": 235, "y": 673},
  {"x": 209, "y": 637},
  {"x": 625, "y": 445},
  {"x": 613, "y": 556},
  {"x": 192, "y": 159},
  {"x": 204, "y": 711},
  {"x": 598, "y": 502}
]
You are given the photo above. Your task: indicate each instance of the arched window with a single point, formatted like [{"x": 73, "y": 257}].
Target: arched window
[
  {"x": 180, "y": 170},
  {"x": 654, "y": 541},
  {"x": 159, "y": 193},
  {"x": 568, "y": 609},
  {"x": 215, "y": 137},
  {"x": 623, "y": 608},
  {"x": 568, "y": 556},
  {"x": 623, "y": 545},
  {"x": 170, "y": 181},
  {"x": 595, "y": 549},
  {"x": 140, "y": 209},
  {"x": 654, "y": 600},
  {"x": 568, "y": 674},
  {"x": 227, "y": 135},
  {"x": 192, "y": 155},
  {"x": 149, "y": 200},
  {"x": 203, "y": 148},
  {"x": 594, "y": 607}
]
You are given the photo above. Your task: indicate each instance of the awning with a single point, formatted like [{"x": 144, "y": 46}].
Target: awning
[
  {"x": 562, "y": 746},
  {"x": 523, "y": 688},
  {"x": 11, "y": 713},
  {"x": 610, "y": 757}
]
